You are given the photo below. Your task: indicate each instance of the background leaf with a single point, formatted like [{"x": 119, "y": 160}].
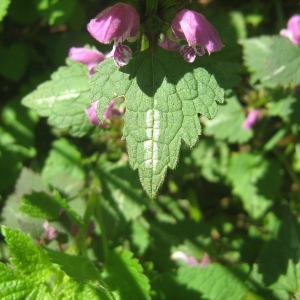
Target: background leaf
[{"x": 64, "y": 99}]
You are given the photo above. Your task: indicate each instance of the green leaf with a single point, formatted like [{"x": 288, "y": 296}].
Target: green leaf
[
  {"x": 256, "y": 51},
  {"x": 126, "y": 275},
  {"x": 282, "y": 256},
  {"x": 250, "y": 176},
  {"x": 163, "y": 96},
  {"x": 212, "y": 282},
  {"x": 228, "y": 124},
  {"x": 64, "y": 99},
  {"x": 122, "y": 189},
  {"x": 3, "y": 8},
  {"x": 79, "y": 268},
  {"x": 12, "y": 285},
  {"x": 56, "y": 12},
  {"x": 212, "y": 156},
  {"x": 29, "y": 259},
  {"x": 42, "y": 205},
  {"x": 63, "y": 169},
  {"x": 273, "y": 59}
]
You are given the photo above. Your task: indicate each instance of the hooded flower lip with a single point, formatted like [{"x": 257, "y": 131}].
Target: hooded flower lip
[
  {"x": 117, "y": 23},
  {"x": 198, "y": 32},
  {"x": 120, "y": 21},
  {"x": 293, "y": 30},
  {"x": 89, "y": 57}
]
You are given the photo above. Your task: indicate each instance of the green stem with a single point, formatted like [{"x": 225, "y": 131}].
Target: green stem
[
  {"x": 81, "y": 243},
  {"x": 99, "y": 218},
  {"x": 144, "y": 43}
]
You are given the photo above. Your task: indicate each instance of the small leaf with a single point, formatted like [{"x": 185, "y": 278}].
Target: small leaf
[
  {"x": 64, "y": 99},
  {"x": 79, "y": 268},
  {"x": 163, "y": 96},
  {"x": 275, "y": 60},
  {"x": 212, "y": 282},
  {"x": 126, "y": 274},
  {"x": 228, "y": 124},
  {"x": 250, "y": 177}
]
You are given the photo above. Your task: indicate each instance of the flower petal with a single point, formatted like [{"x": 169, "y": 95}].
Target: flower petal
[
  {"x": 122, "y": 55},
  {"x": 118, "y": 21},
  {"x": 188, "y": 53},
  {"x": 89, "y": 57},
  {"x": 92, "y": 114},
  {"x": 195, "y": 29}
]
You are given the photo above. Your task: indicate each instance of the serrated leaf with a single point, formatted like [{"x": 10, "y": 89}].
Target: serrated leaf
[
  {"x": 250, "y": 177},
  {"x": 126, "y": 275},
  {"x": 256, "y": 51},
  {"x": 79, "y": 268},
  {"x": 63, "y": 99},
  {"x": 275, "y": 60},
  {"x": 41, "y": 205},
  {"x": 163, "y": 96},
  {"x": 12, "y": 285},
  {"x": 3, "y": 8},
  {"x": 213, "y": 282},
  {"x": 63, "y": 169},
  {"x": 228, "y": 124},
  {"x": 29, "y": 259}
]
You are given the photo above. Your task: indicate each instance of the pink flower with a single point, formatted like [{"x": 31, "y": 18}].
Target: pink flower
[
  {"x": 168, "y": 44},
  {"x": 205, "y": 260},
  {"x": 92, "y": 114},
  {"x": 51, "y": 233},
  {"x": 251, "y": 119},
  {"x": 116, "y": 23},
  {"x": 293, "y": 30},
  {"x": 89, "y": 57},
  {"x": 109, "y": 114},
  {"x": 179, "y": 255},
  {"x": 198, "y": 32}
]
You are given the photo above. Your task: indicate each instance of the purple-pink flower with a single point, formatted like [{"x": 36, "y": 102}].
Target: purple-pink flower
[
  {"x": 116, "y": 23},
  {"x": 51, "y": 232},
  {"x": 198, "y": 32},
  {"x": 110, "y": 113},
  {"x": 251, "y": 119},
  {"x": 293, "y": 30},
  {"x": 179, "y": 255},
  {"x": 89, "y": 57}
]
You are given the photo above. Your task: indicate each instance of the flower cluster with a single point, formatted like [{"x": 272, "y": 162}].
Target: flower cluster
[
  {"x": 117, "y": 23},
  {"x": 121, "y": 22},
  {"x": 293, "y": 30}
]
